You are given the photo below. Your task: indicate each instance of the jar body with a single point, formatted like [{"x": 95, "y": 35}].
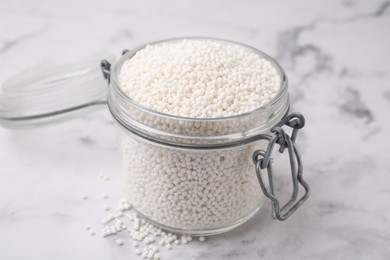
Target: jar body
[
  {"x": 189, "y": 175},
  {"x": 198, "y": 192}
]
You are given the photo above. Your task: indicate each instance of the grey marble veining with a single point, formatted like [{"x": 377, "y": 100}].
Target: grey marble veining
[{"x": 336, "y": 54}]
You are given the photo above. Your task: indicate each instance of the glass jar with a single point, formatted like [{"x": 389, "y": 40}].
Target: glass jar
[{"x": 188, "y": 175}]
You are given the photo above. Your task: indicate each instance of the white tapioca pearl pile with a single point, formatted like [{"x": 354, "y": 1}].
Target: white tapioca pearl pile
[
  {"x": 146, "y": 238},
  {"x": 191, "y": 190},
  {"x": 199, "y": 79},
  {"x": 124, "y": 224}
]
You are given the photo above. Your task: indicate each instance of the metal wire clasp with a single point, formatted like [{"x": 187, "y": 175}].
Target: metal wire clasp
[
  {"x": 262, "y": 160},
  {"x": 105, "y": 66}
]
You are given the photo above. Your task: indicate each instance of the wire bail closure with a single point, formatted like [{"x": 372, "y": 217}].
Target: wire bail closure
[{"x": 263, "y": 161}]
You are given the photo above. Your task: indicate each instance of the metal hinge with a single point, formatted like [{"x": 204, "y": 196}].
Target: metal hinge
[{"x": 262, "y": 160}]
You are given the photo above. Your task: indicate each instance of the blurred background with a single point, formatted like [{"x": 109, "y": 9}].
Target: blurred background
[{"x": 336, "y": 55}]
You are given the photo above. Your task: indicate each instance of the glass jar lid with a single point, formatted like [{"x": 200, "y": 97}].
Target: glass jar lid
[{"x": 53, "y": 92}]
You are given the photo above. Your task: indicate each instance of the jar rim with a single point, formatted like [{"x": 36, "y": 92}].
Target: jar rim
[{"x": 118, "y": 64}]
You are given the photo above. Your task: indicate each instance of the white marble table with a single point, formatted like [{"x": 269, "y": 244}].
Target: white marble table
[{"x": 336, "y": 54}]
